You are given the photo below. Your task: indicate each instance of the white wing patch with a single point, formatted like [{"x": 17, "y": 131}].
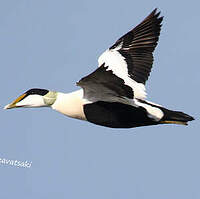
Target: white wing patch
[
  {"x": 153, "y": 112},
  {"x": 117, "y": 64}
]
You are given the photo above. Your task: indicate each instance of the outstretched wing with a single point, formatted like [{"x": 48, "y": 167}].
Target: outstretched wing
[
  {"x": 137, "y": 47},
  {"x": 125, "y": 66}
]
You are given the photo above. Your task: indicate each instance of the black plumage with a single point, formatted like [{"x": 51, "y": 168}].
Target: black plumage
[
  {"x": 138, "y": 46},
  {"x": 117, "y": 115},
  {"x": 103, "y": 83}
]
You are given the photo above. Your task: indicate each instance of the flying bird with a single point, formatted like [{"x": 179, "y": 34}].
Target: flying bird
[{"x": 114, "y": 94}]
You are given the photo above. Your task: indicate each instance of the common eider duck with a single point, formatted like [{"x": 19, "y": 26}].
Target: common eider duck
[{"x": 114, "y": 94}]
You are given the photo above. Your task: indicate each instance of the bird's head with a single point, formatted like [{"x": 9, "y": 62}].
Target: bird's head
[{"x": 34, "y": 98}]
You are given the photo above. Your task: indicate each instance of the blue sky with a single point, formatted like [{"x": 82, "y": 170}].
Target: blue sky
[{"x": 52, "y": 44}]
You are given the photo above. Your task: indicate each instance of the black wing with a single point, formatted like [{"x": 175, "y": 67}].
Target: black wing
[{"x": 137, "y": 47}]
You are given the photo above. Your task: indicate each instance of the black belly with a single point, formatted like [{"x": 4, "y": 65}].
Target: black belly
[{"x": 117, "y": 115}]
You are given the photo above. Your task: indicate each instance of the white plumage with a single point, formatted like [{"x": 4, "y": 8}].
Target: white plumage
[
  {"x": 70, "y": 104},
  {"x": 117, "y": 64}
]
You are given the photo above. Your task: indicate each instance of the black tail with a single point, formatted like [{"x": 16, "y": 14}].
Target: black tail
[{"x": 175, "y": 117}]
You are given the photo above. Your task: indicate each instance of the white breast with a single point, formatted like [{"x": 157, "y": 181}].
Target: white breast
[{"x": 70, "y": 104}]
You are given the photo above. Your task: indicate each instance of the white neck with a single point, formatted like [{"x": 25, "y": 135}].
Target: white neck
[{"x": 70, "y": 104}]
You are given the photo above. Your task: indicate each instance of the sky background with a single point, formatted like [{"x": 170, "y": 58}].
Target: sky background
[{"x": 52, "y": 44}]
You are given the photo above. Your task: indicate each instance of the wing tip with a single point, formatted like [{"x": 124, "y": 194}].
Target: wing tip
[{"x": 155, "y": 14}]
